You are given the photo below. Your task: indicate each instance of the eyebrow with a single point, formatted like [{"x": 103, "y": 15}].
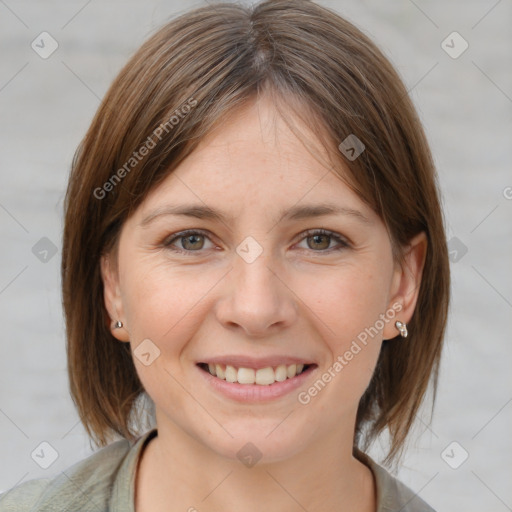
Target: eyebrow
[{"x": 297, "y": 212}]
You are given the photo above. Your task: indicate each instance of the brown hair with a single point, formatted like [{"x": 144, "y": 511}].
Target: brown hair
[{"x": 177, "y": 87}]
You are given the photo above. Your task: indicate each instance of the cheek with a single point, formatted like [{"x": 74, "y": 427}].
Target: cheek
[
  {"x": 349, "y": 301},
  {"x": 166, "y": 304},
  {"x": 350, "y": 305}
]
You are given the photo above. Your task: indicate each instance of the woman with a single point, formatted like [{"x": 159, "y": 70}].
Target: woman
[{"x": 254, "y": 245}]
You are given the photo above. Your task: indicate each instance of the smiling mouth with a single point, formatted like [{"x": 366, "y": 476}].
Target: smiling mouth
[{"x": 260, "y": 377}]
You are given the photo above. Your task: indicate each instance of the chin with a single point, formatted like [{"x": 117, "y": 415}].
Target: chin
[{"x": 260, "y": 441}]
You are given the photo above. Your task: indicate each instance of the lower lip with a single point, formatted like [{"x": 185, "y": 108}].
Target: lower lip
[{"x": 255, "y": 392}]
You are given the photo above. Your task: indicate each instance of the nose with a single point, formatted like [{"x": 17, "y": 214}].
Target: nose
[{"x": 257, "y": 298}]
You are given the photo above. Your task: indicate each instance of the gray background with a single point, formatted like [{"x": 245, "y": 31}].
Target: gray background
[{"x": 465, "y": 103}]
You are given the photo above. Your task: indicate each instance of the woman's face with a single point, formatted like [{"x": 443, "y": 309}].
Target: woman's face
[{"x": 252, "y": 285}]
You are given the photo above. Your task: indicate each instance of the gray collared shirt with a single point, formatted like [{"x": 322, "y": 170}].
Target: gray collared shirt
[{"x": 105, "y": 482}]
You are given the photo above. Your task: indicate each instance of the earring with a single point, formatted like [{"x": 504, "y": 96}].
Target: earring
[
  {"x": 402, "y": 327},
  {"x": 118, "y": 324}
]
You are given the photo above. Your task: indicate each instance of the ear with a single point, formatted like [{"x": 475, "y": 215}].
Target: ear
[
  {"x": 406, "y": 283},
  {"x": 112, "y": 297}
]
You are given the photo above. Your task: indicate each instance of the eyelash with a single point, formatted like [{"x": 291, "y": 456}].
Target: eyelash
[{"x": 306, "y": 234}]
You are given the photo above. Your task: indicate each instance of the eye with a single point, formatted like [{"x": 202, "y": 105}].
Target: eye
[
  {"x": 321, "y": 240},
  {"x": 191, "y": 241}
]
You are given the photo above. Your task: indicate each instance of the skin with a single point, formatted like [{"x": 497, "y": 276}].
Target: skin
[{"x": 301, "y": 297}]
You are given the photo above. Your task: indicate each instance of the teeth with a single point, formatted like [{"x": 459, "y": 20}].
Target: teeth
[
  {"x": 219, "y": 371},
  {"x": 281, "y": 373},
  {"x": 231, "y": 374},
  {"x": 247, "y": 376},
  {"x": 262, "y": 376},
  {"x": 265, "y": 376}
]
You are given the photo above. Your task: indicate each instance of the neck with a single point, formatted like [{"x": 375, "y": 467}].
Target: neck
[{"x": 176, "y": 469}]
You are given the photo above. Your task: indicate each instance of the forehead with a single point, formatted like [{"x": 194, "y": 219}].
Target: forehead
[{"x": 254, "y": 162}]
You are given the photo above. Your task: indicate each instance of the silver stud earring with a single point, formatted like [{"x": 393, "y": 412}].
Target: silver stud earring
[
  {"x": 402, "y": 327},
  {"x": 118, "y": 324}
]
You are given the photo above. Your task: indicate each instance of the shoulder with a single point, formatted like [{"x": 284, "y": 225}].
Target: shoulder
[
  {"x": 84, "y": 486},
  {"x": 393, "y": 495},
  {"x": 24, "y": 496}
]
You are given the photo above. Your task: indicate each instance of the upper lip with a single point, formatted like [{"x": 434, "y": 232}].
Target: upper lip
[{"x": 241, "y": 361}]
